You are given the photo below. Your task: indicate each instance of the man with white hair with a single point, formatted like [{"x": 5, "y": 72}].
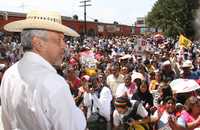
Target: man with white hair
[{"x": 34, "y": 96}]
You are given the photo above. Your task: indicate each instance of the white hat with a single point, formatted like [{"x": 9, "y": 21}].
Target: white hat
[
  {"x": 136, "y": 75},
  {"x": 127, "y": 56},
  {"x": 179, "y": 104},
  {"x": 167, "y": 62},
  {"x": 41, "y": 20},
  {"x": 187, "y": 64},
  {"x": 2, "y": 66},
  {"x": 86, "y": 77}
]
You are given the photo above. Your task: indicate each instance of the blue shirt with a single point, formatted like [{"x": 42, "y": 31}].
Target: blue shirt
[{"x": 194, "y": 75}]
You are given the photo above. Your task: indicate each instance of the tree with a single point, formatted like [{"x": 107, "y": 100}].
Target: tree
[
  {"x": 115, "y": 22},
  {"x": 96, "y": 20},
  {"x": 173, "y": 17},
  {"x": 75, "y": 17}
]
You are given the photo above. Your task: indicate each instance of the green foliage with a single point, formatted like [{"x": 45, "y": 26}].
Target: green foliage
[{"x": 173, "y": 17}]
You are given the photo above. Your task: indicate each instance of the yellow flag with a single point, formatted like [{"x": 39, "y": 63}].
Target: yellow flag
[{"x": 184, "y": 42}]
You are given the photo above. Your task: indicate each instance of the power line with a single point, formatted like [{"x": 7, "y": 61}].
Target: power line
[{"x": 91, "y": 18}]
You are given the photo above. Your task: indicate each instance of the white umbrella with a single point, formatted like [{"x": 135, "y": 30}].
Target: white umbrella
[{"x": 184, "y": 85}]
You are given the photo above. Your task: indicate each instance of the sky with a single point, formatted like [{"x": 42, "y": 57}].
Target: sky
[{"x": 122, "y": 11}]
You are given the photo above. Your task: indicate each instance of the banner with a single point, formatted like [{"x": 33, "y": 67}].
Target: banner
[
  {"x": 184, "y": 42},
  {"x": 87, "y": 59}
]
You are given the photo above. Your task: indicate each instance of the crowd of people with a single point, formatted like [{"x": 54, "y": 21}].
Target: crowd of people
[
  {"x": 129, "y": 81},
  {"x": 124, "y": 83}
]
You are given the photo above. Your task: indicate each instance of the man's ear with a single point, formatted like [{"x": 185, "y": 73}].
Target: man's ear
[{"x": 37, "y": 44}]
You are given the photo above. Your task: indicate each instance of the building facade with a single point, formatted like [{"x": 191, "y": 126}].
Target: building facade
[{"x": 93, "y": 28}]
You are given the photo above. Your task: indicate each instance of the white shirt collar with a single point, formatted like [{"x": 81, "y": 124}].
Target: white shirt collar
[{"x": 36, "y": 58}]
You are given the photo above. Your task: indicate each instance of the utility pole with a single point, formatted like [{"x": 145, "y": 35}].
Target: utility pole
[{"x": 84, "y": 5}]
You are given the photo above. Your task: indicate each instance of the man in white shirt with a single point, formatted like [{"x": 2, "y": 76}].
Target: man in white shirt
[
  {"x": 98, "y": 99},
  {"x": 34, "y": 96},
  {"x": 113, "y": 80},
  {"x": 126, "y": 89}
]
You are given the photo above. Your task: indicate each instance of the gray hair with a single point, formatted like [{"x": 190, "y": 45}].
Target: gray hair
[{"x": 27, "y": 36}]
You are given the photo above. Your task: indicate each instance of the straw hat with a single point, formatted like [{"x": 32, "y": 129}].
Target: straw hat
[
  {"x": 41, "y": 20},
  {"x": 187, "y": 64}
]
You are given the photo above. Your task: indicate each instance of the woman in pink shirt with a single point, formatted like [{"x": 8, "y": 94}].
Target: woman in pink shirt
[{"x": 191, "y": 115}]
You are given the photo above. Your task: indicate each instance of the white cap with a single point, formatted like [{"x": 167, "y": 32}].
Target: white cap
[
  {"x": 2, "y": 66},
  {"x": 166, "y": 63}
]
